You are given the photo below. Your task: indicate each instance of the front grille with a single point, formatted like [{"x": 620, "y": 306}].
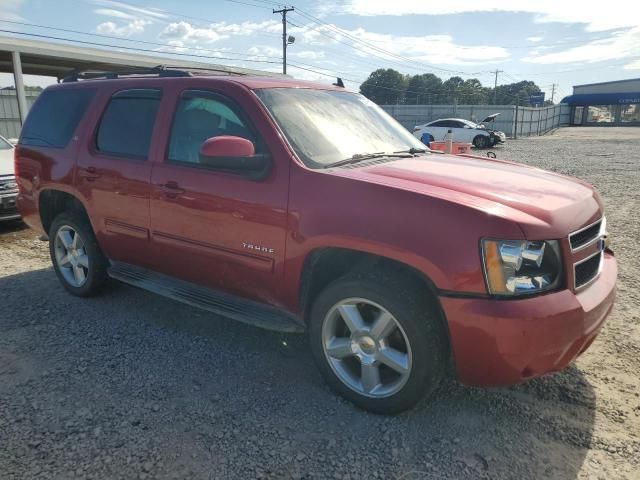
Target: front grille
[
  {"x": 8, "y": 184},
  {"x": 587, "y": 270},
  {"x": 585, "y": 236}
]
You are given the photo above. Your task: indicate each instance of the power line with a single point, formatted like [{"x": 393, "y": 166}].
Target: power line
[
  {"x": 374, "y": 47},
  {"x": 249, "y": 4},
  {"x": 145, "y": 42}
]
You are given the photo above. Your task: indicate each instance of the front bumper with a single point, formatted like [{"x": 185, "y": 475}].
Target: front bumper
[
  {"x": 8, "y": 207},
  {"x": 502, "y": 342}
]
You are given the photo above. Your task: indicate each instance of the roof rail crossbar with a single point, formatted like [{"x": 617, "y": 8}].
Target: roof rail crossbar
[{"x": 160, "y": 71}]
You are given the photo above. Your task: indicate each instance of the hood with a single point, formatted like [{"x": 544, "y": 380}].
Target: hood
[
  {"x": 490, "y": 118},
  {"x": 6, "y": 161},
  {"x": 545, "y": 205}
]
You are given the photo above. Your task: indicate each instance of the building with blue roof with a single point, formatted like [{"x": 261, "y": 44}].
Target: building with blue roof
[{"x": 614, "y": 103}]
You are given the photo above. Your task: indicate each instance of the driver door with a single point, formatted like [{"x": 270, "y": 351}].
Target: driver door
[{"x": 211, "y": 227}]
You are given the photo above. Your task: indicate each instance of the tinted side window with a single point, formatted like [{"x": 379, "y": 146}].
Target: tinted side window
[
  {"x": 441, "y": 123},
  {"x": 200, "y": 116},
  {"x": 127, "y": 123},
  {"x": 55, "y": 116}
]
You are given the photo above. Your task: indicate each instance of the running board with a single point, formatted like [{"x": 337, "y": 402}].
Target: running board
[{"x": 236, "y": 308}]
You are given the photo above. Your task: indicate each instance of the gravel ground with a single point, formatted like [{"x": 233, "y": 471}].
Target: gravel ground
[{"x": 130, "y": 385}]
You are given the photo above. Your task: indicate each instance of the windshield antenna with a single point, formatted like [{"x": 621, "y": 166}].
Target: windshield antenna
[{"x": 339, "y": 83}]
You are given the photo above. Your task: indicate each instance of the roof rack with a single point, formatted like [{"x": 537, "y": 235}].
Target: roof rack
[{"x": 160, "y": 71}]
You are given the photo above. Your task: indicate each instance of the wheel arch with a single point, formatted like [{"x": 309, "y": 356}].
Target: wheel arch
[
  {"x": 54, "y": 201},
  {"x": 324, "y": 265}
]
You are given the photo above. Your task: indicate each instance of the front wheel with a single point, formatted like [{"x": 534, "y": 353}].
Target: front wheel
[
  {"x": 481, "y": 141},
  {"x": 377, "y": 342}
]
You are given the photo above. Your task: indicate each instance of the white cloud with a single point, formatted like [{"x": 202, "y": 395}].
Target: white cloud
[
  {"x": 309, "y": 54},
  {"x": 535, "y": 39},
  {"x": 635, "y": 65},
  {"x": 265, "y": 51},
  {"x": 11, "y": 10},
  {"x": 432, "y": 49},
  {"x": 621, "y": 45},
  {"x": 109, "y": 12},
  {"x": 148, "y": 13},
  {"x": 187, "y": 33},
  {"x": 247, "y": 28},
  {"x": 214, "y": 32},
  {"x": 134, "y": 27},
  {"x": 597, "y": 16}
]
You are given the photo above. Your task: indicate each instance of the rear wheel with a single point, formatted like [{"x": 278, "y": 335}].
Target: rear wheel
[
  {"x": 377, "y": 342},
  {"x": 481, "y": 141},
  {"x": 78, "y": 262}
]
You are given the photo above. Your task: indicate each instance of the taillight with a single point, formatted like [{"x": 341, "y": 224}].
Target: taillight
[{"x": 16, "y": 156}]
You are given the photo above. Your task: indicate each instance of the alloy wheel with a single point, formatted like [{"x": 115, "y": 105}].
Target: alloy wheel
[
  {"x": 366, "y": 348},
  {"x": 71, "y": 256}
]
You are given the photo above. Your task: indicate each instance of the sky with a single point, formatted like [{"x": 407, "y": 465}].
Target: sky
[{"x": 557, "y": 42}]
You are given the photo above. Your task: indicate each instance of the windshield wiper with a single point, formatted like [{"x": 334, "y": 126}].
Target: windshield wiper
[
  {"x": 359, "y": 157},
  {"x": 413, "y": 151}
]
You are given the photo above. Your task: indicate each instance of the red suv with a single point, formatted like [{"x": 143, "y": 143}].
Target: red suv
[{"x": 296, "y": 206}]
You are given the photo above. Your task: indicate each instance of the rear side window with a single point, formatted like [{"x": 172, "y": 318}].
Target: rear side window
[
  {"x": 55, "y": 116},
  {"x": 127, "y": 123}
]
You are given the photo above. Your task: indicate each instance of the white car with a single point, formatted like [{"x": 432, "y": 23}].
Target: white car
[
  {"x": 8, "y": 186},
  {"x": 462, "y": 130}
]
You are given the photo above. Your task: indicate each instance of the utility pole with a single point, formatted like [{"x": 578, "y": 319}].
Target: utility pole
[
  {"x": 285, "y": 40},
  {"x": 553, "y": 91},
  {"x": 495, "y": 86}
]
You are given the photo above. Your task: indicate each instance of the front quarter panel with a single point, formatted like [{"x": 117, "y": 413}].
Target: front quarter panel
[{"x": 440, "y": 238}]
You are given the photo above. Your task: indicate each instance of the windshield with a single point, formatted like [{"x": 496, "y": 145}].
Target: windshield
[
  {"x": 4, "y": 144},
  {"x": 326, "y": 126}
]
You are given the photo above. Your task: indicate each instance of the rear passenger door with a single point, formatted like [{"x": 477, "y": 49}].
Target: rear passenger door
[
  {"x": 437, "y": 130},
  {"x": 114, "y": 172}
]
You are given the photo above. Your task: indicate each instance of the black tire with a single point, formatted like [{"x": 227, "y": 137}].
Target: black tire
[
  {"x": 417, "y": 317},
  {"x": 480, "y": 141},
  {"x": 96, "y": 272}
]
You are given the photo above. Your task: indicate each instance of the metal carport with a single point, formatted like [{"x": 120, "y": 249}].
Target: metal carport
[{"x": 34, "y": 57}]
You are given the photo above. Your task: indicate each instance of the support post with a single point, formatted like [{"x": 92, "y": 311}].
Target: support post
[
  {"x": 20, "y": 93},
  {"x": 285, "y": 41},
  {"x": 515, "y": 124},
  {"x": 495, "y": 86}
]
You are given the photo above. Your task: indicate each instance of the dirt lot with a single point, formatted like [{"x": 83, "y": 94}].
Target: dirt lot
[{"x": 130, "y": 385}]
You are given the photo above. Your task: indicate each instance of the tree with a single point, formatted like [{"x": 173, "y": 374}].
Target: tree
[
  {"x": 508, "y": 94},
  {"x": 451, "y": 89},
  {"x": 423, "y": 88},
  {"x": 385, "y": 86},
  {"x": 473, "y": 93}
]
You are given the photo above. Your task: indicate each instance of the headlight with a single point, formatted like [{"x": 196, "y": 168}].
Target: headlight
[{"x": 516, "y": 267}]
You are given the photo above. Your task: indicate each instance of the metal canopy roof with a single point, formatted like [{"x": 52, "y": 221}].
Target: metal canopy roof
[
  {"x": 59, "y": 59},
  {"x": 602, "y": 98}
]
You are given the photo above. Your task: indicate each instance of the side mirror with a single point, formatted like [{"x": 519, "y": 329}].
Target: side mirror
[
  {"x": 235, "y": 155},
  {"x": 227, "y": 146}
]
